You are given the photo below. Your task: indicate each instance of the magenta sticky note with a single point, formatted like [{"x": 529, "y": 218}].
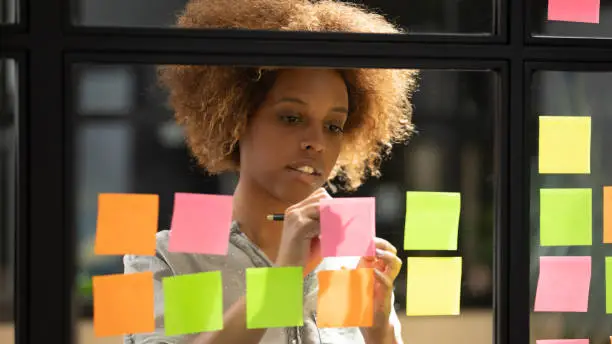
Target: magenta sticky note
[
  {"x": 200, "y": 224},
  {"x": 582, "y": 11},
  {"x": 563, "y": 285},
  {"x": 348, "y": 227},
  {"x": 562, "y": 341}
]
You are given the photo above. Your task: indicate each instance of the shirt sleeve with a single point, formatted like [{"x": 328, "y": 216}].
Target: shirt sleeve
[{"x": 160, "y": 269}]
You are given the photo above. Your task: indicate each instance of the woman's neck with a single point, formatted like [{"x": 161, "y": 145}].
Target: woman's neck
[{"x": 251, "y": 204}]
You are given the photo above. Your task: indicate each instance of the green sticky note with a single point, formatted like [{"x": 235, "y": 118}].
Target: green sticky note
[
  {"x": 566, "y": 217},
  {"x": 434, "y": 286},
  {"x": 432, "y": 220},
  {"x": 274, "y": 297},
  {"x": 609, "y": 285},
  {"x": 193, "y": 303}
]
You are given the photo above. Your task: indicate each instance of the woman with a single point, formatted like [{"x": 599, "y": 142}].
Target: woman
[{"x": 287, "y": 132}]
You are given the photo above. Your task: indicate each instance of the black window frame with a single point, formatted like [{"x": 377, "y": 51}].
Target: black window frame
[{"x": 45, "y": 45}]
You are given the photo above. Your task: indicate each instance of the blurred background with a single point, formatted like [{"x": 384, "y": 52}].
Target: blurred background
[{"x": 126, "y": 141}]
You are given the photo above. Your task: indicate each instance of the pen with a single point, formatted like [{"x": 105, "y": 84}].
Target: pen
[{"x": 275, "y": 217}]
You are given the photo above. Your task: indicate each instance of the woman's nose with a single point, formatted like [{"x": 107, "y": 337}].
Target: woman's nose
[{"x": 312, "y": 146}]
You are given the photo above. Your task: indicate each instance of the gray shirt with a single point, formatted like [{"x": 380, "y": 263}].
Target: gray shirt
[{"x": 242, "y": 254}]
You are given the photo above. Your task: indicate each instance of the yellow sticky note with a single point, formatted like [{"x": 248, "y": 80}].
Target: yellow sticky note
[
  {"x": 434, "y": 286},
  {"x": 565, "y": 145}
]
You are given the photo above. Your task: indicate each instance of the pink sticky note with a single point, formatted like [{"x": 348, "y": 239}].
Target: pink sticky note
[
  {"x": 348, "y": 227},
  {"x": 563, "y": 285},
  {"x": 582, "y": 11},
  {"x": 562, "y": 341},
  {"x": 200, "y": 224}
]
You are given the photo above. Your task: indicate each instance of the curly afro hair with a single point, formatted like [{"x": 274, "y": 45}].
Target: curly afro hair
[{"x": 213, "y": 103}]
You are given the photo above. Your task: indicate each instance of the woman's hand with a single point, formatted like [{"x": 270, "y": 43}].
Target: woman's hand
[
  {"x": 386, "y": 267},
  {"x": 300, "y": 244}
]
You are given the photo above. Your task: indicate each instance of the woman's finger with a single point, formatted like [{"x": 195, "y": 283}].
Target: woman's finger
[
  {"x": 383, "y": 278},
  {"x": 384, "y": 245},
  {"x": 392, "y": 262}
]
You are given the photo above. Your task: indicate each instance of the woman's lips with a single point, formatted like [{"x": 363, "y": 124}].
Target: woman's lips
[{"x": 307, "y": 178}]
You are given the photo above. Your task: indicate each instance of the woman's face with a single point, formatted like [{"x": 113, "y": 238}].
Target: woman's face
[{"x": 293, "y": 139}]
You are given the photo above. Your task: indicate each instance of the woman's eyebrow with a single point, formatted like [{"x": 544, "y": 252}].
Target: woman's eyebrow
[{"x": 340, "y": 109}]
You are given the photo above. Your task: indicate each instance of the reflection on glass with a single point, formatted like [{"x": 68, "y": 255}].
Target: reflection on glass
[
  {"x": 9, "y": 11},
  {"x": 541, "y": 26},
  {"x": 8, "y": 195},
  {"x": 573, "y": 94},
  {"x": 433, "y": 16},
  {"x": 143, "y": 151}
]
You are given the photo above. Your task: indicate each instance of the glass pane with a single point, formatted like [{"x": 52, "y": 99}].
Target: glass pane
[
  {"x": 9, "y": 11},
  {"x": 587, "y": 19},
  {"x": 9, "y": 100},
  {"x": 433, "y": 16},
  {"x": 143, "y": 151},
  {"x": 557, "y": 93}
]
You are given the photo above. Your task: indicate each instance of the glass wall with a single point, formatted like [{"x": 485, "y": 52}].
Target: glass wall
[
  {"x": 573, "y": 94},
  {"x": 576, "y": 19},
  {"x": 8, "y": 194},
  {"x": 475, "y": 17},
  {"x": 126, "y": 141}
]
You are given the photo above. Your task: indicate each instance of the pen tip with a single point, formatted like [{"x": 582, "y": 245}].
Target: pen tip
[{"x": 270, "y": 217}]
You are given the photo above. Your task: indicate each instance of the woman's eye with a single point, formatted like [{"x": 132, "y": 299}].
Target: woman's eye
[
  {"x": 336, "y": 129},
  {"x": 290, "y": 118}
]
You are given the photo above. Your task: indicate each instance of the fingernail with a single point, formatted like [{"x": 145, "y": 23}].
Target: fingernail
[{"x": 379, "y": 252}]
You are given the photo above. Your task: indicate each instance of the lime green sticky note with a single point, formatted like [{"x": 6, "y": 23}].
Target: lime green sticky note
[
  {"x": 566, "y": 217},
  {"x": 274, "y": 297},
  {"x": 193, "y": 303},
  {"x": 565, "y": 144},
  {"x": 432, "y": 220},
  {"x": 609, "y": 285},
  {"x": 434, "y": 286}
]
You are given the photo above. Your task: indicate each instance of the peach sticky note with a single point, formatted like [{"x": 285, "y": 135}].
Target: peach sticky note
[
  {"x": 345, "y": 298},
  {"x": 562, "y": 341},
  {"x": 563, "y": 285},
  {"x": 200, "y": 224},
  {"x": 348, "y": 227},
  {"x": 434, "y": 286},
  {"x": 126, "y": 224},
  {"x": 582, "y": 11},
  {"x": 123, "y": 304},
  {"x": 607, "y": 215},
  {"x": 565, "y": 145}
]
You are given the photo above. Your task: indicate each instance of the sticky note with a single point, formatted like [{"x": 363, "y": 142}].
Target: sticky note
[
  {"x": 345, "y": 298},
  {"x": 200, "y": 224},
  {"x": 565, "y": 145},
  {"x": 609, "y": 285},
  {"x": 563, "y": 284},
  {"x": 348, "y": 226},
  {"x": 126, "y": 224},
  {"x": 566, "y": 217},
  {"x": 123, "y": 304},
  {"x": 274, "y": 297},
  {"x": 607, "y": 215},
  {"x": 583, "y": 11},
  {"x": 193, "y": 303},
  {"x": 432, "y": 220},
  {"x": 434, "y": 286},
  {"x": 562, "y": 341}
]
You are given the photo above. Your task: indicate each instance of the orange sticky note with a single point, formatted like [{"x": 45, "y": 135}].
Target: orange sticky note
[
  {"x": 345, "y": 298},
  {"x": 607, "y": 215},
  {"x": 127, "y": 224},
  {"x": 123, "y": 304}
]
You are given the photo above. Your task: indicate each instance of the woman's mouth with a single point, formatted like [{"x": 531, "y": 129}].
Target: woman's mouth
[{"x": 305, "y": 173}]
